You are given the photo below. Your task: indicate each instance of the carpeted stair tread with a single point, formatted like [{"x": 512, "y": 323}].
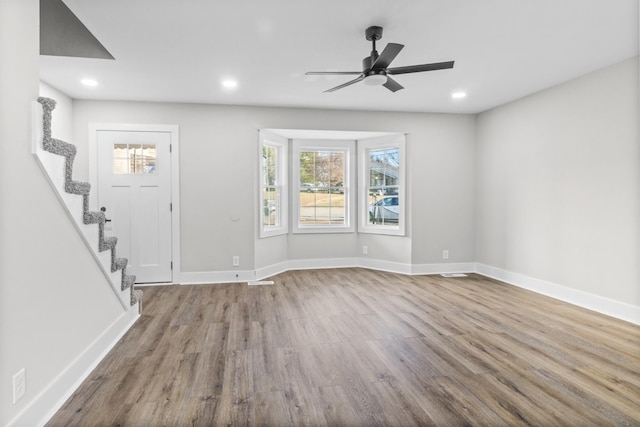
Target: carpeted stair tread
[
  {"x": 136, "y": 296},
  {"x": 77, "y": 187},
  {"x": 108, "y": 244},
  {"x": 90, "y": 217},
  {"x": 128, "y": 280},
  {"x": 67, "y": 150},
  {"x": 58, "y": 147},
  {"x": 119, "y": 264}
]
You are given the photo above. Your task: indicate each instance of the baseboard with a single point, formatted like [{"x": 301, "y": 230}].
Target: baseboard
[
  {"x": 214, "y": 277},
  {"x": 444, "y": 268},
  {"x": 600, "y": 304},
  {"x": 51, "y": 399},
  {"x": 206, "y": 277}
]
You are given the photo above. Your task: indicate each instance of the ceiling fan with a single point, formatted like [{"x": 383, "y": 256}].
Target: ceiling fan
[{"x": 375, "y": 69}]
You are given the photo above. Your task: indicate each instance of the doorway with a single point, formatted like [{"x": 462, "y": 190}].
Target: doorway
[{"x": 135, "y": 187}]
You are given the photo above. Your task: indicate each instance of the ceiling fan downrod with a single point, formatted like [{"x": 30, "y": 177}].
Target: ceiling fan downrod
[{"x": 373, "y": 33}]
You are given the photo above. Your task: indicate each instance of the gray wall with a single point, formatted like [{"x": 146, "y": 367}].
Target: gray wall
[
  {"x": 54, "y": 299},
  {"x": 558, "y": 185},
  {"x": 218, "y": 173}
]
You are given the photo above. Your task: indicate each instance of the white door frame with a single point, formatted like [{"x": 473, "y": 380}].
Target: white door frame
[{"x": 94, "y": 128}]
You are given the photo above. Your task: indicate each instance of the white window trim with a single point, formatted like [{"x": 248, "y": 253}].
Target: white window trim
[
  {"x": 364, "y": 146},
  {"x": 281, "y": 143},
  {"x": 350, "y": 189}
]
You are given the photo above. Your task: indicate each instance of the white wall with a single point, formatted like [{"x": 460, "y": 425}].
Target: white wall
[
  {"x": 218, "y": 177},
  {"x": 62, "y": 115},
  {"x": 54, "y": 299},
  {"x": 558, "y": 192}
]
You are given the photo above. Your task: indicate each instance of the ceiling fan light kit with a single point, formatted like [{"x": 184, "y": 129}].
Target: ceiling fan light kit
[
  {"x": 375, "y": 68},
  {"x": 375, "y": 79}
]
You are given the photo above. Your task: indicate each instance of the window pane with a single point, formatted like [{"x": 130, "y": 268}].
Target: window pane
[
  {"x": 270, "y": 162},
  {"x": 384, "y": 210},
  {"x": 148, "y": 158},
  {"x": 337, "y": 212},
  {"x": 270, "y": 191},
  {"x": 307, "y": 170},
  {"x": 321, "y": 193},
  {"x": 134, "y": 158},
  {"x": 273, "y": 195},
  {"x": 271, "y": 212},
  {"x": 120, "y": 159},
  {"x": 384, "y": 169}
]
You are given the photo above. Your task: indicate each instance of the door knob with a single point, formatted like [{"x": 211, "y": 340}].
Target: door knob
[{"x": 103, "y": 209}]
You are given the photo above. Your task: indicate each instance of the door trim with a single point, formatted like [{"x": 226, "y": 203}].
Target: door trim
[{"x": 174, "y": 131}]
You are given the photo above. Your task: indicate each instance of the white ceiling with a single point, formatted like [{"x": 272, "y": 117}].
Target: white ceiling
[{"x": 179, "y": 51}]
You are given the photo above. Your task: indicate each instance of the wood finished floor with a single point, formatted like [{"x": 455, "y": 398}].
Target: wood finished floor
[{"x": 354, "y": 347}]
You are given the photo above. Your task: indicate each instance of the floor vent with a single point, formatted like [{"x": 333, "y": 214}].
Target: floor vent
[
  {"x": 261, "y": 283},
  {"x": 453, "y": 275}
]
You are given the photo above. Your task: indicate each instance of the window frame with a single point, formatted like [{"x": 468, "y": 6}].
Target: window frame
[
  {"x": 365, "y": 146},
  {"x": 350, "y": 190},
  {"x": 281, "y": 145}
]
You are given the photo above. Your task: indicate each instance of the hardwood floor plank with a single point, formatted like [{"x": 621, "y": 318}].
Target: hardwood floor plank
[
  {"x": 271, "y": 409},
  {"x": 359, "y": 347},
  {"x": 236, "y": 404},
  {"x": 200, "y": 412},
  {"x": 302, "y": 397},
  {"x": 210, "y": 379},
  {"x": 399, "y": 410},
  {"x": 336, "y": 407},
  {"x": 266, "y": 368}
]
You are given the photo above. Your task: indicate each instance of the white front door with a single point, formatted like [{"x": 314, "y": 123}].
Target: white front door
[{"x": 134, "y": 188}]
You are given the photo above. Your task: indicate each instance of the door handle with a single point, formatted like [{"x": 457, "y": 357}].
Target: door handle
[{"x": 103, "y": 209}]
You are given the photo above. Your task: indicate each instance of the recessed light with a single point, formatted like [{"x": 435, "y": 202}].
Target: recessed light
[
  {"x": 89, "y": 82},
  {"x": 459, "y": 95},
  {"x": 229, "y": 84}
]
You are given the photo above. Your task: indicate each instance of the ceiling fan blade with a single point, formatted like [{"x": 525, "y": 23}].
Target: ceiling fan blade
[
  {"x": 420, "y": 68},
  {"x": 331, "y": 73},
  {"x": 389, "y": 53},
  {"x": 392, "y": 85},
  {"x": 349, "y": 83}
]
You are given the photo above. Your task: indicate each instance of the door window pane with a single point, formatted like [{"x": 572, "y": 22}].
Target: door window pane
[{"x": 134, "y": 158}]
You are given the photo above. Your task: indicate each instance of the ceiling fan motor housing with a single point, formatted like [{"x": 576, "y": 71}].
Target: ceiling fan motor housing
[{"x": 373, "y": 33}]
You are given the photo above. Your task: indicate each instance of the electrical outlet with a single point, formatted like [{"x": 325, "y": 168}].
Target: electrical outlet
[
  {"x": 365, "y": 250},
  {"x": 236, "y": 261},
  {"x": 445, "y": 254},
  {"x": 19, "y": 385}
]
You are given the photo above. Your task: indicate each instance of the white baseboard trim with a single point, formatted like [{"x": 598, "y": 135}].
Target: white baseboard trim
[
  {"x": 51, "y": 399},
  {"x": 459, "y": 267},
  {"x": 319, "y": 263},
  {"x": 214, "y": 277},
  {"x": 600, "y": 304}
]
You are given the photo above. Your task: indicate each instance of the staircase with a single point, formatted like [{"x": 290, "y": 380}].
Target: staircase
[{"x": 59, "y": 168}]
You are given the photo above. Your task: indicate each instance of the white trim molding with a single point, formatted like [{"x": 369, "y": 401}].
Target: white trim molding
[
  {"x": 214, "y": 277},
  {"x": 600, "y": 304}
]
